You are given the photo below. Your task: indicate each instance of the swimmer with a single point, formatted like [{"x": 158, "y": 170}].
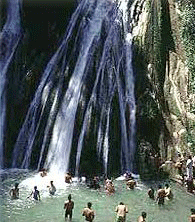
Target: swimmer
[
  {"x": 121, "y": 210},
  {"x": 52, "y": 188},
  {"x": 131, "y": 184},
  {"x": 35, "y": 194},
  {"x": 68, "y": 178},
  {"x": 109, "y": 187},
  {"x": 95, "y": 183},
  {"x": 68, "y": 206},
  {"x": 43, "y": 172},
  {"x": 142, "y": 218},
  {"x": 14, "y": 192},
  {"x": 128, "y": 175},
  {"x": 160, "y": 198},
  {"x": 151, "y": 193},
  {"x": 88, "y": 212},
  {"x": 168, "y": 192},
  {"x": 192, "y": 217}
]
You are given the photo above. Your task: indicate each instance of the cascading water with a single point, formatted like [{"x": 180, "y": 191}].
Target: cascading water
[
  {"x": 87, "y": 86},
  {"x": 9, "y": 39}
]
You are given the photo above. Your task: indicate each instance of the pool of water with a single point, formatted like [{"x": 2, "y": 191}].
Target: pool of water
[{"x": 50, "y": 208}]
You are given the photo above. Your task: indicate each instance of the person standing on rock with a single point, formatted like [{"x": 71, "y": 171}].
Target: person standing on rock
[
  {"x": 189, "y": 172},
  {"x": 189, "y": 167}
]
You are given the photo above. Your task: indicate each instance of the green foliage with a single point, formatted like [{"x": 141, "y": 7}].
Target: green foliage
[
  {"x": 188, "y": 37},
  {"x": 190, "y": 136},
  {"x": 148, "y": 107},
  {"x": 160, "y": 35}
]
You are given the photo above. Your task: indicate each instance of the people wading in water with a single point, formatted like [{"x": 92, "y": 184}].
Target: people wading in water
[
  {"x": 121, "y": 211},
  {"x": 88, "y": 212},
  {"x": 52, "y": 188},
  {"x": 142, "y": 218},
  {"x": 14, "y": 192},
  {"x": 160, "y": 198},
  {"x": 68, "y": 206},
  {"x": 35, "y": 194}
]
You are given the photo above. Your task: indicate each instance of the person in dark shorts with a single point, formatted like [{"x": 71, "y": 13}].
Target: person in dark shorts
[{"x": 68, "y": 206}]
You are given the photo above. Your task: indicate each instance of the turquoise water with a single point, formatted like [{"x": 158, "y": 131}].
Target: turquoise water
[{"x": 50, "y": 208}]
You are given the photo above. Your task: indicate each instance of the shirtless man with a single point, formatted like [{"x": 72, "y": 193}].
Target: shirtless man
[
  {"x": 35, "y": 194},
  {"x": 52, "y": 188},
  {"x": 131, "y": 184},
  {"x": 68, "y": 178},
  {"x": 142, "y": 218},
  {"x": 68, "y": 206},
  {"x": 160, "y": 198},
  {"x": 95, "y": 183},
  {"x": 121, "y": 210},
  {"x": 192, "y": 217},
  {"x": 14, "y": 192},
  {"x": 109, "y": 187},
  {"x": 88, "y": 212},
  {"x": 43, "y": 172}
]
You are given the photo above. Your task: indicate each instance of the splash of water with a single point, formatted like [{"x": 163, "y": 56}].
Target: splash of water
[{"x": 9, "y": 39}]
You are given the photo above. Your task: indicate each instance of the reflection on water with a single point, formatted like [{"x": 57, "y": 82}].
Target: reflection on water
[{"x": 50, "y": 208}]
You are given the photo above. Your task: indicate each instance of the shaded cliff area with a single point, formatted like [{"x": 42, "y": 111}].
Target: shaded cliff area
[{"x": 164, "y": 65}]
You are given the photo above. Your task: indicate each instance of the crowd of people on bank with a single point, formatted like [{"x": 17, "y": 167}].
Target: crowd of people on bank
[
  {"x": 159, "y": 196},
  {"x": 186, "y": 170}
]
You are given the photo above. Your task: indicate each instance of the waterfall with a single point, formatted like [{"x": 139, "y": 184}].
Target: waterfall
[
  {"x": 129, "y": 78},
  {"x": 9, "y": 39},
  {"x": 60, "y": 147},
  {"x": 87, "y": 81}
]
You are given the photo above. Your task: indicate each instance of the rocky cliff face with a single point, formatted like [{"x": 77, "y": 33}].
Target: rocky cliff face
[{"x": 165, "y": 94}]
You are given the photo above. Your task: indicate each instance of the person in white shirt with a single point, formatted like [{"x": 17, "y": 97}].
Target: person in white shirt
[
  {"x": 189, "y": 168},
  {"x": 193, "y": 159}
]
